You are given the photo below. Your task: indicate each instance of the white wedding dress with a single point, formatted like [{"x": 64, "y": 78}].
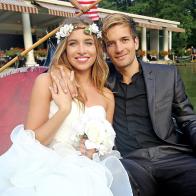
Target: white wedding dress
[{"x": 29, "y": 168}]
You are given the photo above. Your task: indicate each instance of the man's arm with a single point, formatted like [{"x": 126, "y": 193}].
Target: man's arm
[{"x": 183, "y": 111}]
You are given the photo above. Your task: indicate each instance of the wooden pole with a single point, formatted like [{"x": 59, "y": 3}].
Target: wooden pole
[{"x": 43, "y": 39}]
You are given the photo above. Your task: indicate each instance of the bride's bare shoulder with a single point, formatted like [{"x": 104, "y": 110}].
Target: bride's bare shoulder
[{"x": 43, "y": 79}]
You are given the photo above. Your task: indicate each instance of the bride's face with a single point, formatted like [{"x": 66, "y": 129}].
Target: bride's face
[{"x": 81, "y": 50}]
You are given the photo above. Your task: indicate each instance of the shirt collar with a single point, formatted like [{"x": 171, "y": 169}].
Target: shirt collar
[{"x": 134, "y": 77}]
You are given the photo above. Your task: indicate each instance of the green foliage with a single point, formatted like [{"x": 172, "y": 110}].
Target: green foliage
[
  {"x": 109, "y": 4},
  {"x": 12, "y": 52}
]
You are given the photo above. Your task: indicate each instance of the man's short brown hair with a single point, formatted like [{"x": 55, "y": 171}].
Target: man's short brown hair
[{"x": 118, "y": 19}]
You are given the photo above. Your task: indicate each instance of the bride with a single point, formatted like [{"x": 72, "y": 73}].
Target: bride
[{"x": 65, "y": 146}]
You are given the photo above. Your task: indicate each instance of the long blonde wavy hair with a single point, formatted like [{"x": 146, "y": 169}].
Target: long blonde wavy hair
[{"x": 99, "y": 69}]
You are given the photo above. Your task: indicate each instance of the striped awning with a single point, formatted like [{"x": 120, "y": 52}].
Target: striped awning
[
  {"x": 17, "y": 6},
  {"x": 57, "y": 10}
]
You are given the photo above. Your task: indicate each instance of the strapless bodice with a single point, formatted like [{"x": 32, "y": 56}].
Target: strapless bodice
[{"x": 63, "y": 139}]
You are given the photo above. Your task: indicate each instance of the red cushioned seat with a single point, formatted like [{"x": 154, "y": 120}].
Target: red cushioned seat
[{"x": 15, "y": 90}]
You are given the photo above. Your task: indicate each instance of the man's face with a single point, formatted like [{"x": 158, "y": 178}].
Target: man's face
[{"x": 121, "y": 46}]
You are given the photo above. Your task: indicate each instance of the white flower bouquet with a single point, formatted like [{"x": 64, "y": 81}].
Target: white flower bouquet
[{"x": 98, "y": 132}]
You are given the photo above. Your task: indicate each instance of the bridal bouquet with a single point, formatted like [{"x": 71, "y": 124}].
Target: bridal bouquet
[{"x": 98, "y": 132}]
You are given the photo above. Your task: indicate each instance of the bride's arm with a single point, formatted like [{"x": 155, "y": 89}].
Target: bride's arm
[{"x": 37, "y": 118}]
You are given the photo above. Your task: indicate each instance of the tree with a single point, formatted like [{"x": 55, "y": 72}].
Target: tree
[{"x": 109, "y": 4}]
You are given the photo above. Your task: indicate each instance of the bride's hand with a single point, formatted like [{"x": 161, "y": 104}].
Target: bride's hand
[
  {"x": 67, "y": 80},
  {"x": 62, "y": 99},
  {"x": 84, "y": 151}
]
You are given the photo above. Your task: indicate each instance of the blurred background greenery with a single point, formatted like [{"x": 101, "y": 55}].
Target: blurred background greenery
[{"x": 188, "y": 74}]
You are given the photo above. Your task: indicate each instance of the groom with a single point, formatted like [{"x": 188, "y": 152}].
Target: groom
[{"x": 154, "y": 121}]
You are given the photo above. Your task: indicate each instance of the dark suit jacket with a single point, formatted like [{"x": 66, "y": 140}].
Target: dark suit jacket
[{"x": 168, "y": 103}]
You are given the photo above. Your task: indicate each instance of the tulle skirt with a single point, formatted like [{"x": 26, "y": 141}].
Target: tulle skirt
[{"x": 30, "y": 168}]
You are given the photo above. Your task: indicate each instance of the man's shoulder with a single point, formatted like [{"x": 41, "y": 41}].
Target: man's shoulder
[{"x": 157, "y": 66}]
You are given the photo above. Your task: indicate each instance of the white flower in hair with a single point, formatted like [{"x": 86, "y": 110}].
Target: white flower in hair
[
  {"x": 58, "y": 36},
  {"x": 68, "y": 28},
  {"x": 94, "y": 28},
  {"x": 99, "y": 34},
  {"x": 64, "y": 31}
]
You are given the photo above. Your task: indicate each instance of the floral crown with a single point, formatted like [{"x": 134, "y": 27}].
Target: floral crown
[{"x": 68, "y": 28}]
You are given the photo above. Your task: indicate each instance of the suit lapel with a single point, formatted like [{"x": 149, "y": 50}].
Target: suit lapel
[{"x": 149, "y": 79}]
